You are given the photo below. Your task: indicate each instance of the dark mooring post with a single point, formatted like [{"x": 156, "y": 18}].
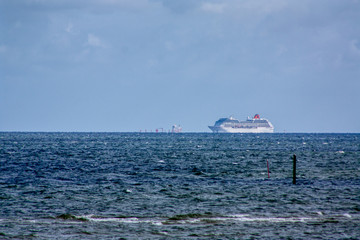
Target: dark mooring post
[{"x": 294, "y": 169}]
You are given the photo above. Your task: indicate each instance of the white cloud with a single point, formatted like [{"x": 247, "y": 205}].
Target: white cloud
[
  {"x": 213, "y": 7},
  {"x": 281, "y": 50},
  {"x": 255, "y": 10},
  {"x": 69, "y": 28},
  {"x": 94, "y": 41}
]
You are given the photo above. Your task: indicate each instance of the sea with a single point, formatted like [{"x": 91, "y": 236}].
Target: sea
[{"x": 179, "y": 186}]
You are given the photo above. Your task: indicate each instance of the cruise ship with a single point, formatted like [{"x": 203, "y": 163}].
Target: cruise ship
[{"x": 232, "y": 125}]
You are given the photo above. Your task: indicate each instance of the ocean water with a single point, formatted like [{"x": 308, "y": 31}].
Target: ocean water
[{"x": 179, "y": 186}]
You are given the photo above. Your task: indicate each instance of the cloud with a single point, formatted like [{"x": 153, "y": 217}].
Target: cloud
[
  {"x": 94, "y": 41},
  {"x": 251, "y": 12},
  {"x": 69, "y": 28}
]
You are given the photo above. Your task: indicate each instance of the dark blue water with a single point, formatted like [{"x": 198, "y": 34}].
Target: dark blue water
[{"x": 171, "y": 186}]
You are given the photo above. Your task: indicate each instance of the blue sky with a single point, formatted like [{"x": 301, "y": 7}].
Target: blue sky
[{"x": 126, "y": 65}]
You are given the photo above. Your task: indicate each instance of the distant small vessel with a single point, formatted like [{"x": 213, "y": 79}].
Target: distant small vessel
[
  {"x": 232, "y": 125},
  {"x": 176, "y": 129}
]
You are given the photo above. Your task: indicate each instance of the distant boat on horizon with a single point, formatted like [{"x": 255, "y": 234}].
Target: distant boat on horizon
[
  {"x": 176, "y": 129},
  {"x": 232, "y": 125}
]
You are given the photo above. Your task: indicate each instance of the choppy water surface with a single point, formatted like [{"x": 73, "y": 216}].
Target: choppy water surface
[{"x": 168, "y": 186}]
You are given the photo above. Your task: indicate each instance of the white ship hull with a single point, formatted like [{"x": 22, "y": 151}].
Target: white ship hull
[{"x": 240, "y": 130}]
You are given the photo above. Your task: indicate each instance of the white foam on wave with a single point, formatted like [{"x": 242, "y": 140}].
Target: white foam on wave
[
  {"x": 122, "y": 220},
  {"x": 248, "y": 218},
  {"x": 160, "y": 221},
  {"x": 245, "y": 218},
  {"x": 199, "y": 220},
  {"x": 241, "y": 218}
]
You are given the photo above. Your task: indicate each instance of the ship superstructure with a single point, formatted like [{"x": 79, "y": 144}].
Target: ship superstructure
[{"x": 251, "y": 125}]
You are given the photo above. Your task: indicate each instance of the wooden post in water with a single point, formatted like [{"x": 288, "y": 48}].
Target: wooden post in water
[{"x": 294, "y": 169}]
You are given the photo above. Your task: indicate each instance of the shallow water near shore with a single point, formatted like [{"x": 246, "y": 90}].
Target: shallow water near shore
[{"x": 168, "y": 186}]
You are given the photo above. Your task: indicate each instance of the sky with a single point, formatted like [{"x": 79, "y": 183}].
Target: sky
[{"x": 131, "y": 65}]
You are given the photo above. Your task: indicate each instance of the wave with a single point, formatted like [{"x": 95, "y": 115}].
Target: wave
[{"x": 199, "y": 218}]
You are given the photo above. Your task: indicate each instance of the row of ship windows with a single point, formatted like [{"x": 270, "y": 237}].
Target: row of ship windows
[{"x": 247, "y": 125}]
